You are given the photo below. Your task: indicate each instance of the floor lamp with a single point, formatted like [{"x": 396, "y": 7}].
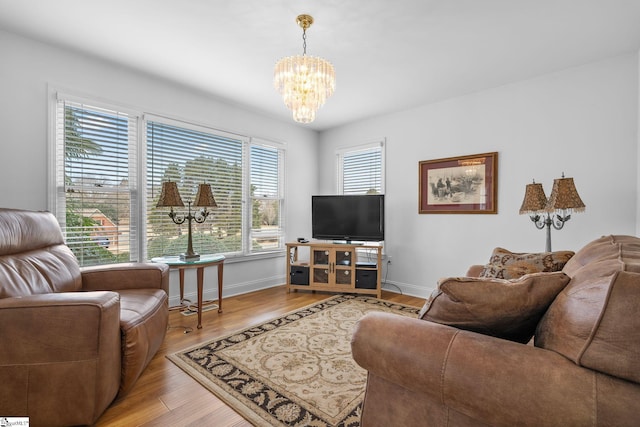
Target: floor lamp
[{"x": 552, "y": 212}]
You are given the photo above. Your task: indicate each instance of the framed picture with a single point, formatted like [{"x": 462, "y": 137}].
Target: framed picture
[{"x": 459, "y": 185}]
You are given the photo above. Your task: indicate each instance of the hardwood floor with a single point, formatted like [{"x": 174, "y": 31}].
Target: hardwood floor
[{"x": 165, "y": 395}]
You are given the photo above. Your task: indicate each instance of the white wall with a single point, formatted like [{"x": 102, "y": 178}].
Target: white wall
[
  {"x": 29, "y": 67},
  {"x": 581, "y": 121}
]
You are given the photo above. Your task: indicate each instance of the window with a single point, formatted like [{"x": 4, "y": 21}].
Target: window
[
  {"x": 361, "y": 169},
  {"x": 267, "y": 231},
  {"x": 95, "y": 182},
  {"x": 106, "y": 198},
  {"x": 191, "y": 155}
]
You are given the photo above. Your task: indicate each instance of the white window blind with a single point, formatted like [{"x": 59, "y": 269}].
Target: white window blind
[
  {"x": 191, "y": 155},
  {"x": 108, "y": 165},
  {"x": 95, "y": 157},
  {"x": 361, "y": 169},
  {"x": 267, "y": 229}
]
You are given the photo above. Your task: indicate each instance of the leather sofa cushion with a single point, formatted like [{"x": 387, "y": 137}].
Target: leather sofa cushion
[
  {"x": 504, "y": 264},
  {"x": 143, "y": 323},
  {"x": 508, "y": 309},
  {"x": 594, "y": 321}
]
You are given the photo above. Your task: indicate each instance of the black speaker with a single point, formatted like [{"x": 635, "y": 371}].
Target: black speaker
[
  {"x": 299, "y": 275},
  {"x": 366, "y": 279}
]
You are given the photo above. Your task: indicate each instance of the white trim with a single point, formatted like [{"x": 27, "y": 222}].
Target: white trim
[
  {"x": 97, "y": 102},
  {"x": 378, "y": 142},
  {"x": 52, "y": 200},
  {"x": 141, "y": 190},
  {"x": 268, "y": 143},
  {"x": 246, "y": 199}
]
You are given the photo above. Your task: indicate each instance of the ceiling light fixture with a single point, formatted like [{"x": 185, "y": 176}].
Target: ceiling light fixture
[{"x": 305, "y": 82}]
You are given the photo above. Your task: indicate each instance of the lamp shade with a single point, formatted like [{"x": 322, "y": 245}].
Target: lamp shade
[
  {"x": 564, "y": 196},
  {"x": 535, "y": 201},
  {"x": 204, "y": 196},
  {"x": 169, "y": 196}
]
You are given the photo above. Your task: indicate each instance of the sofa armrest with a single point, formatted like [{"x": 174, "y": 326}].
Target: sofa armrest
[
  {"x": 495, "y": 381},
  {"x": 115, "y": 277},
  {"x": 57, "y": 327},
  {"x": 60, "y": 362}
]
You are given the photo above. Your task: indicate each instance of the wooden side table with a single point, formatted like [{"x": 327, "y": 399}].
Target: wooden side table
[{"x": 174, "y": 262}]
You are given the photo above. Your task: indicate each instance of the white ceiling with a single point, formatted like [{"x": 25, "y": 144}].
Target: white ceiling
[{"x": 389, "y": 55}]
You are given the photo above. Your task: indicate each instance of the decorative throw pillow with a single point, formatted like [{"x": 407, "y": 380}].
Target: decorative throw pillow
[
  {"x": 509, "y": 309},
  {"x": 505, "y": 264}
]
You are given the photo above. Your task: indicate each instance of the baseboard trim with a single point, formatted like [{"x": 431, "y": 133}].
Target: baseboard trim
[
  {"x": 229, "y": 290},
  {"x": 234, "y": 289},
  {"x": 406, "y": 289}
]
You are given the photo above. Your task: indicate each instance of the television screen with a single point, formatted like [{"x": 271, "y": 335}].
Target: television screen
[{"x": 348, "y": 217}]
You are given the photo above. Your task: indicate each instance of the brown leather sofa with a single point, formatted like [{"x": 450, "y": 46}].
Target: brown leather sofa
[
  {"x": 71, "y": 338},
  {"x": 584, "y": 369}
]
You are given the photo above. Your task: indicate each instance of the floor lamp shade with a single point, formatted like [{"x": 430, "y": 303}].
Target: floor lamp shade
[
  {"x": 535, "y": 201},
  {"x": 564, "y": 196}
]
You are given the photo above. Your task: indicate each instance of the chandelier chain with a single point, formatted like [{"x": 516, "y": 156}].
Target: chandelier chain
[{"x": 304, "y": 41}]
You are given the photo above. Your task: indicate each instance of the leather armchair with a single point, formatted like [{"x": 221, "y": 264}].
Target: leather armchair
[{"x": 72, "y": 339}]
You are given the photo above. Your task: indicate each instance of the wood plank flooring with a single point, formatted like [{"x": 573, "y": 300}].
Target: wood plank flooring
[{"x": 165, "y": 396}]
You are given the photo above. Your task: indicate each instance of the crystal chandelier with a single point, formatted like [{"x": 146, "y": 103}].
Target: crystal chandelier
[{"x": 305, "y": 82}]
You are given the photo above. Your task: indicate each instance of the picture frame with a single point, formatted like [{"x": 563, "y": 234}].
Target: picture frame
[{"x": 459, "y": 185}]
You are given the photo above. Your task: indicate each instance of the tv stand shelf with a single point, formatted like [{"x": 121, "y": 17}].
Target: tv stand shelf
[{"x": 334, "y": 267}]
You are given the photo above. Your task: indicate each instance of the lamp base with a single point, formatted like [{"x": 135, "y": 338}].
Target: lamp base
[{"x": 189, "y": 257}]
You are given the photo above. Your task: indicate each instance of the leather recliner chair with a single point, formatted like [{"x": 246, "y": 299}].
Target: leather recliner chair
[{"x": 71, "y": 339}]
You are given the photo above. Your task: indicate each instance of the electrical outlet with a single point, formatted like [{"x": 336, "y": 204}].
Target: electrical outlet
[{"x": 388, "y": 259}]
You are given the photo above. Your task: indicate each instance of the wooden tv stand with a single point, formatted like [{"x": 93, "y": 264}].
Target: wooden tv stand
[{"x": 334, "y": 267}]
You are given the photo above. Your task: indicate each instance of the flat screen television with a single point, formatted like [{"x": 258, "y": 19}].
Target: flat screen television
[{"x": 348, "y": 217}]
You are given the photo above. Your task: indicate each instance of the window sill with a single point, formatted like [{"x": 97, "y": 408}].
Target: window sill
[{"x": 231, "y": 259}]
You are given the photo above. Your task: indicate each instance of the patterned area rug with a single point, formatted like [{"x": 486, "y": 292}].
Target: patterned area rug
[{"x": 296, "y": 369}]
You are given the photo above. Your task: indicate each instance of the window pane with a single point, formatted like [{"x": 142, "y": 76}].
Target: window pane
[
  {"x": 264, "y": 171},
  {"x": 266, "y": 233},
  {"x": 266, "y": 201},
  {"x": 191, "y": 157},
  {"x": 362, "y": 172},
  {"x": 97, "y": 191}
]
